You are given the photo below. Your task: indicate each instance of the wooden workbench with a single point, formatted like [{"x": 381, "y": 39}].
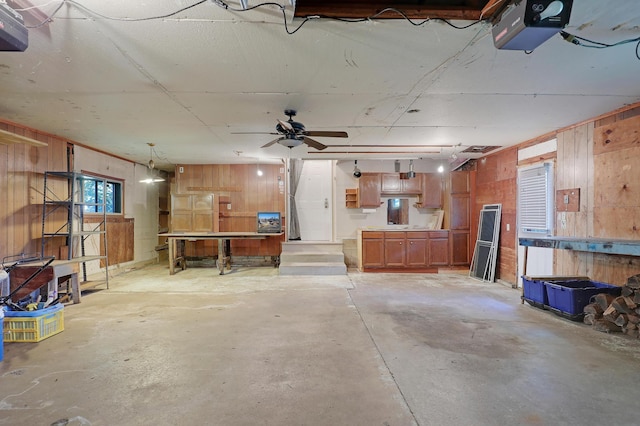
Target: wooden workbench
[
  {"x": 50, "y": 275},
  {"x": 224, "y": 258}
]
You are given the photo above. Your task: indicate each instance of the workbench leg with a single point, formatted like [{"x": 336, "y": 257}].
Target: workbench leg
[
  {"x": 172, "y": 255},
  {"x": 75, "y": 288},
  {"x": 227, "y": 253},
  {"x": 221, "y": 256}
]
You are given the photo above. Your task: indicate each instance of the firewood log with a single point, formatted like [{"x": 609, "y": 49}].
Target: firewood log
[
  {"x": 589, "y": 319},
  {"x": 634, "y": 282},
  {"x": 621, "y": 320},
  {"x": 603, "y": 299},
  {"x": 626, "y": 291},
  {"x": 606, "y": 326},
  {"x": 630, "y": 303},
  {"x": 634, "y": 318},
  {"x": 621, "y": 305},
  {"x": 593, "y": 308}
]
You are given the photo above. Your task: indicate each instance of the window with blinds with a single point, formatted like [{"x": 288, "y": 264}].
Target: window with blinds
[{"x": 535, "y": 200}]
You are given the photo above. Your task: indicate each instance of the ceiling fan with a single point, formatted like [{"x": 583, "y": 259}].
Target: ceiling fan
[{"x": 293, "y": 133}]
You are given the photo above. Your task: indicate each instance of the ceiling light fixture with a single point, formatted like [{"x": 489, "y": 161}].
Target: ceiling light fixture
[
  {"x": 411, "y": 173},
  {"x": 440, "y": 168},
  {"x": 152, "y": 176},
  {"x": 356, "y": 171}
]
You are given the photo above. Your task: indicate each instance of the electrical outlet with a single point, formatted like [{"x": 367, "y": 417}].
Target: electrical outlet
[
  {"x": 181, "y": 169},
  {"x": 229, "y": 206}
]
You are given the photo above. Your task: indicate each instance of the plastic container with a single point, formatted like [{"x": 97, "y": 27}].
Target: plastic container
[
  {"x": 569, "y": 298},
  {"x": 33, "y": 326},
  {"x": 534, "y": 291}
]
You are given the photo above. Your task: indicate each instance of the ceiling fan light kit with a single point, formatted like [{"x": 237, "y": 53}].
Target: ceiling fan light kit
[{"x": 293, "y": 133}]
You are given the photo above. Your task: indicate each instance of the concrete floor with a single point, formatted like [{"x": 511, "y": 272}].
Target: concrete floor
[{"x": 254, "y": 348}]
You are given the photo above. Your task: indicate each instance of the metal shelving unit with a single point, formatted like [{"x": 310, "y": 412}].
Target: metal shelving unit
[{"x": 64, "y": 192}]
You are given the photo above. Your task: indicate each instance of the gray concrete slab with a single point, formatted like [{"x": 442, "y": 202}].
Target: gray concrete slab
[{"x": 251, "y": 347}]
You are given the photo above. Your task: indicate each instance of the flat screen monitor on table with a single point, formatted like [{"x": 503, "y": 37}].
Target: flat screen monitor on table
[{"x": 269, "y": 222}]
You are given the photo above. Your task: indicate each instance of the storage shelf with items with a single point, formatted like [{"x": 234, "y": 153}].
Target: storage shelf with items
[
  {"x": 63, "y": 217},
  {"x": 352, "y": 199}
]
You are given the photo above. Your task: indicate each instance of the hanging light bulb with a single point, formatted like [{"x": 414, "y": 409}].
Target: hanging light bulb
[
  {"x": 151, "y": 176},
  {"x": 440, "y": 168},
  {"x": 411, "y": 173}
]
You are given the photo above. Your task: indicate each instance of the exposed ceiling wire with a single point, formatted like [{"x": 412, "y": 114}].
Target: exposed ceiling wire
[{"x": 572, "y": 38}]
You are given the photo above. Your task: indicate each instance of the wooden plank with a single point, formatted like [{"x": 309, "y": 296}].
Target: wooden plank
[
  {"x": 617, "y": 136},
  {"x": 8, "y": 137}
]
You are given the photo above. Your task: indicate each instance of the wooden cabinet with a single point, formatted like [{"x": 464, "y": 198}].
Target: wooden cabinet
[
  {"x": 460, "y": 217},
  {"x": 392, "y": 184},
  {"x": 431, "y": 194},
  {"x": 372, "y": 250},
  {"x": 394, "y": 250},
  {"x": 460, "y": 182},
  {"x": 351, "y": 198},
  {"x": 439, "y": 248},
  {"x": 369, "y": 190},
  {"x": 193, "y": 213},
  {"x": 399, "y": 251},
  {"x": 417, "y": 252},
  {"x": 460, "y": 248}
]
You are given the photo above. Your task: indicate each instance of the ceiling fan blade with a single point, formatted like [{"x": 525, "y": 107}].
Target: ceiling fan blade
[
  {"x": 313, "y": 143},
  {"x": 327, "y": 134},
  {"x": 286, "y": 125},
  {"x": 254, "y": 133},
  {"x": 271, "y": 143}
]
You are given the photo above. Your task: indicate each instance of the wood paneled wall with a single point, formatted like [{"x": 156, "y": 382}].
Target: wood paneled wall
[
  {"x": 496, "y": 182},
  {"x": 599, "y": 157},
  {"x": 22, "y": 170},
  {"x": 240, "y": 194}
]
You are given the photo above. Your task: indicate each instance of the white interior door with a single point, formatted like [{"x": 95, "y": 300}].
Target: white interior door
[{"x": 314, "y": 201}]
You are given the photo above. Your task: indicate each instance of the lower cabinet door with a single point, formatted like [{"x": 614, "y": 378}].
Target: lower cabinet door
[
  {"x": 417, "y": 252},
  {"x": 373, "y": 253},
  {"x": 438, "y": 251},
  {"x": 394, "y": 252}
]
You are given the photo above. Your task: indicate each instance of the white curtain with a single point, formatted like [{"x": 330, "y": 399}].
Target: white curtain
[{"x": 295, "y": 170}]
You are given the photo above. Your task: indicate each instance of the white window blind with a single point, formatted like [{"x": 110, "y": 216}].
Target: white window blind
[{"x": 535, "y": 200}]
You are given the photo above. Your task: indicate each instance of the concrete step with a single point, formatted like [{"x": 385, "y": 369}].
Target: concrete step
[
  {"x": 311, "y": 256},
  {"x": 311, "y": 246},
  {"x": 312, "y": 268}
]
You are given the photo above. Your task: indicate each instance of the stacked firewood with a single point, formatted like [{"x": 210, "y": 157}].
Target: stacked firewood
[{"x": 608, "y": 313}]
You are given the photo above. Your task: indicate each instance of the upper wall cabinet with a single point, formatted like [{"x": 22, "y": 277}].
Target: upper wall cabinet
[
  {"x": 392, "y": 184},
  {"x": 369, "y": 190},
  {"x": 193, "y": 213},
  {"x": 431, "y": 195}
]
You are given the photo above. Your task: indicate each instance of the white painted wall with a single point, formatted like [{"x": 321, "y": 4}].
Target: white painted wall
[
  {"x": 140, "y": 202},
  {"x": 349, "y": 220}
]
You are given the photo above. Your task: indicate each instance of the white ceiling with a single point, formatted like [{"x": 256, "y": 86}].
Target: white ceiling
[{"x": 191, "y": 82}]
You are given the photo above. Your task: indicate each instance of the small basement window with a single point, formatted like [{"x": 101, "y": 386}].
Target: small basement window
[{"x": 99, "y": 191}]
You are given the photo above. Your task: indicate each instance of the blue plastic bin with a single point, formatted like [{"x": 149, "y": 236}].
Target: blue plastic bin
[
  {"x": 570, "y": 297},
  {"x": 534, "y": 291}
]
